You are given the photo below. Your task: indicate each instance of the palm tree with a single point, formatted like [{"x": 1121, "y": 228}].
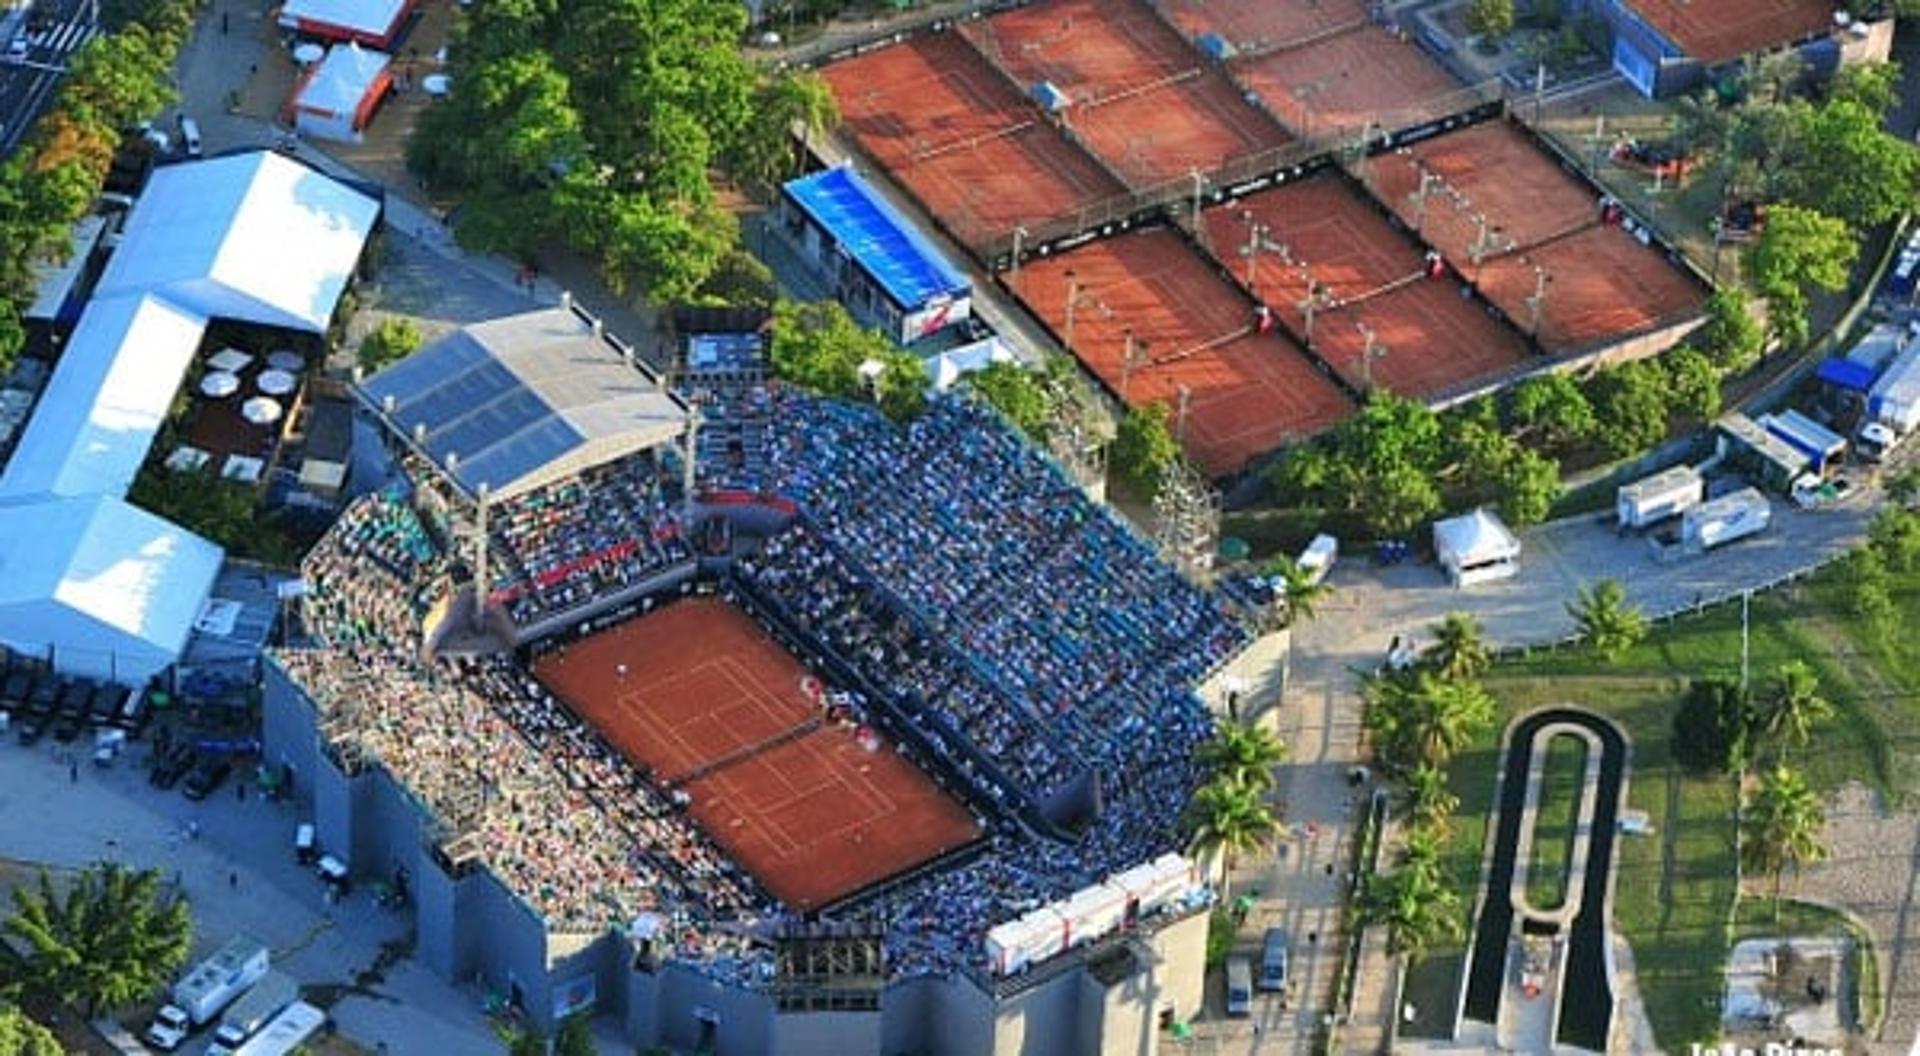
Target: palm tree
[
  {"x": 111, "y": 940},
  {"x": 1459, "y": 649},
  {"x": 1303, "y": 591},
  {"x": 1426, "y": 800},
  {"x": 1243, "y": 754},
  {"x": 1418, "y": 718},
  {"x": 1605, "y": 620},
  {"x": 1794, "y": 707},
  {"x": 1781, "y": 827},
  {"x": 21, "y": 1036},
  {"x": 1417, "y": 907},
  {"x": 1229, "y": 818}
]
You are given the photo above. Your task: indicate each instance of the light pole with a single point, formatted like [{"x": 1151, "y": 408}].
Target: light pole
[
  {"x": 1537, "y": 303},
  {"x": 1180, "y": 419},
  {"x": 1019, "y": 241},
  {"x": 1199, "y": 186},
  {"x": 1373, "y": 350},
  {"x": 1428, "y": 181},
  {"x": 1073, "y": 297},
  {"x": 1134, "y": 354},
  {"x": 1255, "y": 232},
  {"x": 1316, "y": 298}
]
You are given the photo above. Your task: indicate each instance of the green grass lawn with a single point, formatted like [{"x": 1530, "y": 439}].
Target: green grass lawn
[
  {"x": 1675, "y": 889},
  {"x": 1554, "y": 819}
]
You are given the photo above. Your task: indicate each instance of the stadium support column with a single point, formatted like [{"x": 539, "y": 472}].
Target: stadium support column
[
  {"x": 482, "y": 499},
  {"x": 688, "y": 466}
]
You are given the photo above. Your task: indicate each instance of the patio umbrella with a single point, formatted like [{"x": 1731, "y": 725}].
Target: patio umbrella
[
  {"x": 436, "y": 84},
  {"x": 285, "y": 360},
  {"x": 229, "y": 359},
  {"x": 309, "y": 53},
  {"x": 276, "y": 382},
  {"x": 261, "y": 410},
  {"x": 220, "y": 383}
]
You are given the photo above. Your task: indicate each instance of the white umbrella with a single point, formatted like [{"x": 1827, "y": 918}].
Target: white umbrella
[
  {"x": 229, "y": 359},
  {"x": 309, "y": 53},
  {"x": 285, "y": 360},
  {"x": 276, "y": 382},
  {"x": 261, "y": 410},
  {"x": 220, "y": 383},
  {"x": 436, "y": 84}
]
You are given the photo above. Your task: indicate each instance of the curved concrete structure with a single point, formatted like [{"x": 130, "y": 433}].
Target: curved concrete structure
[{"x": 1562, "y": 955}]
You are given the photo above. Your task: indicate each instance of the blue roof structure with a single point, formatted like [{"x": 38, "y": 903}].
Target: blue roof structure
[
  {"x": 879, "y": 239},
  {"x": 1847, "y": 374}
]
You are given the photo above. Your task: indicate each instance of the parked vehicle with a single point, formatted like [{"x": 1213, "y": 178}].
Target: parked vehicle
[
  {"x": 272, "y": 994},
  {"x": 214, "y": 983},
  {"x": 1239, "y": 986},
  {"x": 286, "y": 1032},
  {"x": 189, "y": 136},
  {"x": 1729, "y": 517},
  {"x": 169, "y": 1028},
  {"x": 1273, "y": 960},
  {"x": 1893, "y": 405},
  {"x": 304, "y": 846},
  {"x": 31, "y": 728},
  {"x": 1653, "y": 499}
]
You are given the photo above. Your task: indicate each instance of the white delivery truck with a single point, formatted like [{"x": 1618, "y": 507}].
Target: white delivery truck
[
  {"x": 285, "y": 1032},
  {"x": 1651, "y": 500},
  {"x": 211, "y": 986},
  {"x": 273, "y": 993},
  {"x": 1893, "y": 405},
  {"x": 1721, "y": 521}
]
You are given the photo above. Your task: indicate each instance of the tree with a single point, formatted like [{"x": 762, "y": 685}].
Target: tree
[
  {"x": 1302, "y": 590},
  {"x": 901, "y": 387},
  {"x": 1417, "y": 907},
  {"x": 783, "y": 102},
  {"x": 1231, "y": 819},
  {"x": 1490, "y": 18},
  {"x": 1552, "y": 407},
  {"x": 1770, "y": 76},
  {"x": 1731, "y": 337},
  {"x": 1793, "y": 707},
  {"x": 111, "y": 939},
  {"x": 1242, "y": 754},
  {"x": 1895, "y": 534},
  {"x": 1378, "y": 466},
  {"x": 1459, "y": 649},
  {"x": 1015, "y": 392},
  {"x": 1694, "y": 382},
  {"x": 21, "y": 1036},
  {"x": 1630, "y": 403},
  {"x": 1781, "y": 826},
  {"x": 741, "y": 280},
  {"x": 1855, "y": 170},
  {"x": 1903, "y": 487},
  {"x": 1605, "y": 620},
  {"x": 1426, "y": 799},
  {"x": 1872, "y": 85},
  {"x": 1801, "y": 250},
  {"x": 1700, "y": 124},
  {"x": 1527, "y": 487},
  {"x": 390, "y": 341},
  {"x": 1420, "y": 719},
  {"x": 1712, "y": 726},
  {"x": 575, "y": 1037},
  {"x": 1143, "y": 448},
  {"x": 526, "y": 1043},
  {"x": 1869, "y": 589},
  {"x": 818, "y": 346}
]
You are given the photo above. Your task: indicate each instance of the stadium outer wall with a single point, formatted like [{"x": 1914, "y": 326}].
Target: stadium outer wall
[{"x": 472, "y": 931}]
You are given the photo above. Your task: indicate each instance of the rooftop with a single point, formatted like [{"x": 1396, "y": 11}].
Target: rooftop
[
  {"x": 1724, "y": 30},
  {"x": 908, "y": 267}
]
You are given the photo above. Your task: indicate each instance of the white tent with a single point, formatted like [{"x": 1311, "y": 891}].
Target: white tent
[
  {"x": 375, "y": 23},
  {"x": 1476, "y": 548},
  {"x": 102, "y": 408},
  {"x": 107, "y": 589},
  {"x": 945, "y": 369},
  {"x": 337, "y": 99},
  {"x": 258, "y": 238}
]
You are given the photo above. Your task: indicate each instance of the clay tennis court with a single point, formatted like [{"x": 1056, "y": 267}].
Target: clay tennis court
[
  {"x": 1250, "y": 392},
  {"x": 955, "y": 134},
  {"x": 1722, "y": 32},
  {"x": 1435, "y": 340},
  {"x": 1603, "y": 285},
  {"x": 1522, "y": 191},
  {"x": 699, "y": 695},
  {"x": 1141, "y": 97},
  {"x": 1349, "y": 79},
  {"x": 1260, "y": 25}
]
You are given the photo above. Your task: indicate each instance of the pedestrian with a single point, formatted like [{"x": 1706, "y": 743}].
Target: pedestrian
[
  {"x": 193, "y": 830},
  {"x": 223, "y": 23},
  {"x": 233, "y": 879},
  {"x": 73, "y": 772},
  {"x": 1313, "y": 938},
  {"x": 1329, "y": 868},
  {"x": 240, "y": 791}
]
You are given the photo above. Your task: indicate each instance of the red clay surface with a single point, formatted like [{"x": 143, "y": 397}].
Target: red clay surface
[
  {"x": 1257, "y": 25},
  {"x": 1603, "y": 284},
  {"x": 1720, "y": 32},
  {"x": 1524, "y": 194},
  {"x": 1349, "y": 79},
  {"x": 1436, "y": 341},
  {"x": 1142, "y": 98},
  {"x": 814, "y": 816},
  {"x": 961, "y": 139},
  {"x": 1250, "y": 392}
]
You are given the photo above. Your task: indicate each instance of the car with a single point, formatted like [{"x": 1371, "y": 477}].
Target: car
[
  {"x": 169, "y": 1028},
  {"x": 205, "y": 778},
  {"x": 17, "y": 48},
  {"x": 1239, "y": 986},
  {"x": 189, "y": 136},
  {"x": 1273, "y": 960}
]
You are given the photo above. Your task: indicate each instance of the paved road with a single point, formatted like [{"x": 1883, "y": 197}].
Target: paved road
[{"x": 55, "y": 30}]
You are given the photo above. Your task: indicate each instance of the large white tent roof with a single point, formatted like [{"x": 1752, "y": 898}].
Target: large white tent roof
[
  {"x": 1473, "y": 538},
  {"x": 255, "y": 237},
  {"x": 106, "y": 401},
  {"x": 342, "y": 80},
  {"x": 112, "y": 590}
]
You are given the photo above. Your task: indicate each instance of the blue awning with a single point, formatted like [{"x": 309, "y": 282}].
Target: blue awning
[
  {"x": 880, "y": 240},
  {"x": 1846, "y": 374}
]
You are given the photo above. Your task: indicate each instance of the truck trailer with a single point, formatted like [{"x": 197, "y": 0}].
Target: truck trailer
[
  {"x": 1667, "y": 493},
  {"x": 1722, "y": 520},
  {"x": 273, "y": 993},
  {"x": 1893, "y": 404},
  {"x": 285, "y": 1032},
  {"x": 216, "y": 981}
]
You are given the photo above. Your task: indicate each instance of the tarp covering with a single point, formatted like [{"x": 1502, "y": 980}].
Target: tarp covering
[
  {"x": 337, "y": 98},
  {"x": 1846, "y": 374},
  {"x": 880, "y": 240},
  {"x": 110, "y": 590},
  {"x": 374, "y": 22}
]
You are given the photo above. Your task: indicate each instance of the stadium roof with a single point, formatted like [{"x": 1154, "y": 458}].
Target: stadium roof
[
  {"x": 515, "y": 403},
  {"x": 107, "y": 399},
  {"x": 256, "y": 237},
  {"x": 884, "y": 244},
  {"x": 109, "y": 589}
]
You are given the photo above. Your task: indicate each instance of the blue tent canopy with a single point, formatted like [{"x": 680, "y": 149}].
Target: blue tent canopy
[
  {"x": 1847, "y": 374},
  {"x": 906, "y": 266}
]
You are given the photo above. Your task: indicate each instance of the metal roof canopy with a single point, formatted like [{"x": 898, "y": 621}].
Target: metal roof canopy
[
  {"x": 503, "y": 407},
  {"x": 886, "y": 246}
]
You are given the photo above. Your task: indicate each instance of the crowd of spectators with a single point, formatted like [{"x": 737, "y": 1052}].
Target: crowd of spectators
[
  {"x": 736, "y": 417},
  {"x": 567, "y": 543},
  {"x": 372, "y": 579}
]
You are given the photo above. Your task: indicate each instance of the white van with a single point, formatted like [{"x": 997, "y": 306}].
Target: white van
[
  {"x": 1239, "y": 986},
  {"x": 190, "y": 136}
]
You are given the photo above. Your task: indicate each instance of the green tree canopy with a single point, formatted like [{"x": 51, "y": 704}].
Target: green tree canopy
[
  {"x": 1801, "y": 250},
  {"x": 1792, "y": 707},
  {"x": 1459, "y": 649},
  {"x": 390, "y": 341},
  {"x": 1605, "y": 620},
  {"x": 1782, "y": 825},
  {"x": 1731, "y": 337},
  {"x": 1231, "y": 819},
  {"x": 1694, "y": 382},
  {"x": 1712, "y": 726},
  {"x": 1416, "y": 905},
  {"x": 1855, "y": 170},
  {"x": 1144, "y": 447},
  {"x": 1872, "y": 85},
  {"x": 1490, "y": 18},
  {"x": 110, "y": 939},
  {"x": 1895, "y": 534},
  {"x": 1243, "y": 754},
  {"x": 576, "y": 1036},
  {"x": 1630, "y": 405},
  {"x": 1426, "y": 799},
  {"x": 21, "y": 1036},
  {"x": 1302, "y": 590},
  {"x": 1417, "y": 718},
  {"x": 1015, "y": 392},
  {"x": 1553, "y": 407}
]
